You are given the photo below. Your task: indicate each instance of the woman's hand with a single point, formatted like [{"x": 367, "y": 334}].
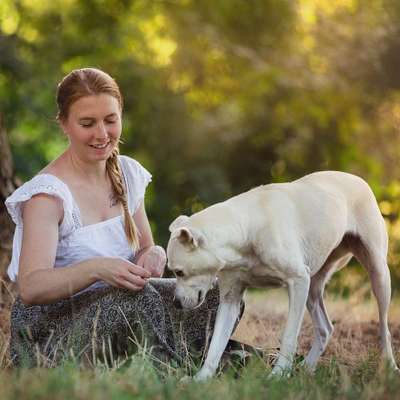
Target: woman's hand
[
  {"x": 121, "y": 273},
  {"x": 153, "y": 260}
]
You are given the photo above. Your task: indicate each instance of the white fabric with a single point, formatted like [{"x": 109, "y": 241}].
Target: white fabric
[{"x": 76, "y": 242}]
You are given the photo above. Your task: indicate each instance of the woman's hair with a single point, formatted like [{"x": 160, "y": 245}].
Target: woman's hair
[{"x": 86, "y": 82}]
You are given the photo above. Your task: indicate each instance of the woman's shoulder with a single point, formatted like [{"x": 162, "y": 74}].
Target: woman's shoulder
[
  {"x": 129, "y": 162},
  {"x": 136, "y": 179},
  {"x": 132, "y": 167},
  {"x": 43, "y": 183}
]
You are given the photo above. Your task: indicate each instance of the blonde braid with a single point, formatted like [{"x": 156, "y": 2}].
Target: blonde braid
[{"x": 115, "y": 174}]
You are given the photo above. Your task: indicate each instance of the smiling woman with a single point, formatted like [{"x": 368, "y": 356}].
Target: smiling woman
[
  {"x": 94, "y": 121},
  {"x": 83, "y": 252}
]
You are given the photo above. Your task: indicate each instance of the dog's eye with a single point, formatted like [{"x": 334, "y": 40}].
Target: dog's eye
[{"x": 179, "y": 273}]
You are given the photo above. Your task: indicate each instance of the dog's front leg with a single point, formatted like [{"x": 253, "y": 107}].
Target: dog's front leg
[
  {"x": 298, "y": 291},
  {"x": 227, "y": 314}
]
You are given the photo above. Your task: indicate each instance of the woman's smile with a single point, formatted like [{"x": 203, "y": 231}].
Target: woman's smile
[{"x": 100, "y": 146}]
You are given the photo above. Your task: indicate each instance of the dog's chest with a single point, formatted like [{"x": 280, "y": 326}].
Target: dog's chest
[{"x": 262, "y": 276}]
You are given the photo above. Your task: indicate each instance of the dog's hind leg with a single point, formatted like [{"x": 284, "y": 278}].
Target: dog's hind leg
[
  {"x": 323, "y": 327},
  {"x": 372, "y": 255}
]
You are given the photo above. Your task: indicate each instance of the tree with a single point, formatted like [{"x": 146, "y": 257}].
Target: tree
[{"x": 8, "y": 183}]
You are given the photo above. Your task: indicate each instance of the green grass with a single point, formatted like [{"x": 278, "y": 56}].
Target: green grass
[
  {"x": 348, "y": 370},
  {"x": 139, "y": 379}
]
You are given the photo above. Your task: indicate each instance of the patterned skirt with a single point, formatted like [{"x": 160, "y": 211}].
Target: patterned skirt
[{"x": 110, "y": 323}]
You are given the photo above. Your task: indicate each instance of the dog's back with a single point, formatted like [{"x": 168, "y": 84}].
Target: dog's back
[
  {"x": 362, "y": 210},
  {"x": 316, "y": 211},
  {"x": 323, "y": 193}
]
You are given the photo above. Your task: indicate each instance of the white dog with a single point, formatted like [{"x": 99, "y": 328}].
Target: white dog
[{"x": 294, "y": 234}]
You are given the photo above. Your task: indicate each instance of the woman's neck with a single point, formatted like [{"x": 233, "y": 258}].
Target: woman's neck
[{"x": 88, "y": 172}]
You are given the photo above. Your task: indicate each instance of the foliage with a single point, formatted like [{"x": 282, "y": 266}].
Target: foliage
[{"x": 219, "y": 96}]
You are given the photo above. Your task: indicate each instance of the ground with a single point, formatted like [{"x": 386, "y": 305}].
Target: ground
[
  {"x": 356, "y": 334},
  {"x": 348, "y": 370},
  {"x": 356, "y": 329}
]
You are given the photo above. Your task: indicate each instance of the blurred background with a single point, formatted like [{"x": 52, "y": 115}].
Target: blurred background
[{"x": 220, "y": 96}]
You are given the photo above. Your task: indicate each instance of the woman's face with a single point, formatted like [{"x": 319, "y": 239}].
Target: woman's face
[{"x": 93, "y": 126}]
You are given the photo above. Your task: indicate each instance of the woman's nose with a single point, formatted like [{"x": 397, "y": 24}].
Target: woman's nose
[{"x": 101, "y": 131}]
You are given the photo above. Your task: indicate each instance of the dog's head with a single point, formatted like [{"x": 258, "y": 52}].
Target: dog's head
[{"x": 193, "y": 262}]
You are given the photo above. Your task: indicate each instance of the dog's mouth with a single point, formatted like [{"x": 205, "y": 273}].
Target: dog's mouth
[
  {"x": 200, "y": 298},
  {"x": 190, "y": 304}
]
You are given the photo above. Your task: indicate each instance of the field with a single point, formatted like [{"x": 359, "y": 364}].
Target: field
[{"x": 349, "y": 368}]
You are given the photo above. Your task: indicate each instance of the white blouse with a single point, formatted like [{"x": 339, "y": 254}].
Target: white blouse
[{"x": 77, "y": 242}]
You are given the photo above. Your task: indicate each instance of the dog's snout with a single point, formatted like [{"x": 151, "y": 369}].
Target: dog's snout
[{"x": 177, "y": 304}]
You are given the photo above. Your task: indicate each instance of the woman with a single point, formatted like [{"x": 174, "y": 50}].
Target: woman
[{"x": 83, "y": 252}]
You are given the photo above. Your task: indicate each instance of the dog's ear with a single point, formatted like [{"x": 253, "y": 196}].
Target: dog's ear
[
  {"x": 178, "y": 222},
  {"x": 189, "y": 236}
]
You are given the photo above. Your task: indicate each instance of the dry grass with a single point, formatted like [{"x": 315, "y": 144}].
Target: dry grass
[
  {"x": 7, "y": 296},
  {"x": 356, "y": 333}
]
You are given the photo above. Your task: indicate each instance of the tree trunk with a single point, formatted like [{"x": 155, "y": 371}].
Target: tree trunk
[{"x": 8, "y": 183}]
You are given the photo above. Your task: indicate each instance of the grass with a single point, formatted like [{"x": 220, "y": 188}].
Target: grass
[
  {"x": 349, "y": 368},
  {"x": 140, "y": 380}
]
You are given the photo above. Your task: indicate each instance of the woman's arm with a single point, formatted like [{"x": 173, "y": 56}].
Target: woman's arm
[
  {"x": 152, "y": 258},
  {"x": 39, "y": 282}
]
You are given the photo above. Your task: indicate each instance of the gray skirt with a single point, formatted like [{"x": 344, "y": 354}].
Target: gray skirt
[{"x": 110, "y": 323}]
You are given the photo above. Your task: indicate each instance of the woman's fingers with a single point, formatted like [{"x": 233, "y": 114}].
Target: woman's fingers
[
  {"x": 155, "y": 264},
  {"x": 131, "y": 279},
  {"x": 139, "y": 271},
  {"x": 156, "y": 268},
  {"x": 134, "y": 279},
  {"x": 153, "y": 260}
]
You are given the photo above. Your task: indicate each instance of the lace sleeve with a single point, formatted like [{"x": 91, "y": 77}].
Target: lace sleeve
[{"x": 47, "y": 184}]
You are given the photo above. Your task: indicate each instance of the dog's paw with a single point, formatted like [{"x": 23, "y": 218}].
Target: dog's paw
[
  {"x": 279, "y": 373},
  {"x": 185, "y": 380},
  {"x": 306, "y": 366},
  {"x": 203, "y": 375}
]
